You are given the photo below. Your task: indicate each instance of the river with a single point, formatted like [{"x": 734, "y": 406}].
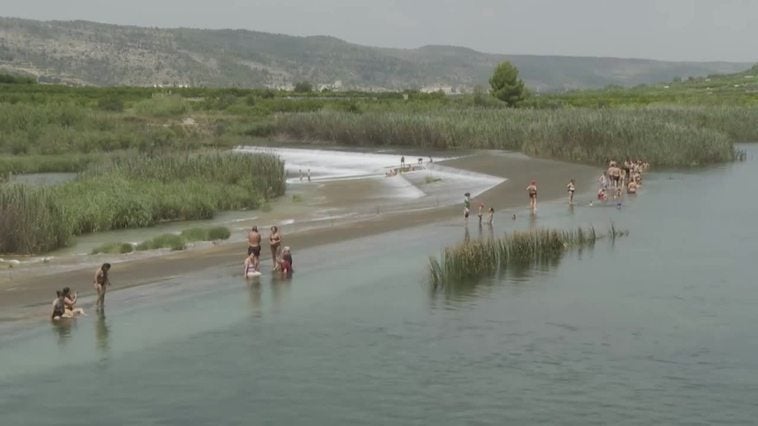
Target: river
[{"x": 658, "y": 328}]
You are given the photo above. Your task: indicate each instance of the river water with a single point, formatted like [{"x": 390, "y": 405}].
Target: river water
[{"x": 658, "y": 328}]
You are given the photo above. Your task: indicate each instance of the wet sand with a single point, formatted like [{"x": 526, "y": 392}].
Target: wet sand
[{"x": 29, "y": 292}]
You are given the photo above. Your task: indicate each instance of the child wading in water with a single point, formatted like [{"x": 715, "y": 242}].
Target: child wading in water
[
  {"x": 532, "y": 190},
  {"x": 491, "y": 216},
  {"x": 571, "y": 189},
  {"x": 481, "y": 212}
]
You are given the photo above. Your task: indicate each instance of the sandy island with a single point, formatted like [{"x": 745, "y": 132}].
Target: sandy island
[{"x": 28, "y": 293}]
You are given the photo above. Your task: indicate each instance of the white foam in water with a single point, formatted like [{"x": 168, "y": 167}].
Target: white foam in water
[{"x": 329, "y": 165}]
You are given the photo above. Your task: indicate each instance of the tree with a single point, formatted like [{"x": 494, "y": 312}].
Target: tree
[
  {"x": 303, "y": 87},
  {"x": 506, "y": 86}
]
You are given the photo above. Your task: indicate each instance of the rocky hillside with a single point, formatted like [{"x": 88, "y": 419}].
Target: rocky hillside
[{"x": 81, "y": 52}]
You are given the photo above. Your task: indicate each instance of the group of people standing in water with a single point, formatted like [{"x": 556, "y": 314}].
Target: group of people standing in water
[
  {"x": 281, "y": 257},
  {"x": 617, "y": 179},
  {"x": 64, "y": 305}
]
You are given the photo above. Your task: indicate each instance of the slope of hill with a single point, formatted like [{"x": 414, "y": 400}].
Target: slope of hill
[{"x": 80, "y": 52}]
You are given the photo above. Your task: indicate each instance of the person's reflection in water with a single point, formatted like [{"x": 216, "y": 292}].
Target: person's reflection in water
[
  {"x": 532, "y": 221},
  {"x": 571, "y": 209},
  {"x": 101, "y": 332},
  {"x": 466, "y": 235},
  {"x": 63, "y": 328},
  {"x": 255, "y": 297},
  {"x": 279, "y": 288},
  {"x": 490, "y": 232}
]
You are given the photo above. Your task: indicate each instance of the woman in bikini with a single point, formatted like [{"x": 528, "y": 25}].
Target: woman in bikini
[
  {"x": 275, "y": 241},
  {"x": 571, "y": 189},
  {"x": 532, "y": 190}
]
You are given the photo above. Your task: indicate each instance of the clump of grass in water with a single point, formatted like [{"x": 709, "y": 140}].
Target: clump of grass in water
[
  {"x": 172, "y": 241},
  {"x": 480, "y": 258},
  {"x": 113, "y": 248}
]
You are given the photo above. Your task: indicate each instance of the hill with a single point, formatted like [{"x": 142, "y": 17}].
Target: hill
[{"x": 80, "y": 52}]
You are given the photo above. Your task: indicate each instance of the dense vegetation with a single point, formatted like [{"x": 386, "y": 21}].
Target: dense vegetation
[
  {"x": 146, "y": 155},
  {"x": 135, "y": 191}
]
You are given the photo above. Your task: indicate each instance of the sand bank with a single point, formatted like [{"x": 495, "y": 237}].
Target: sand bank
[{"x": 29, "y": 292}]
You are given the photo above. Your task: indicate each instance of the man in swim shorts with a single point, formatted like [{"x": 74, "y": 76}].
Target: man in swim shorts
[{"x": 254, "y": 245}]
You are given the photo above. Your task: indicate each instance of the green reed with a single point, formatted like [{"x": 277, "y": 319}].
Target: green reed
[
  {"x": 472, "y": 260},
  {"x": 664, "y": 136},
  {"x": 136, "y": 191},
  {"x": 32, "y": 220}
]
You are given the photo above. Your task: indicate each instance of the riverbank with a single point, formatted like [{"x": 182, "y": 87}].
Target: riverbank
[{"x": 27, "y": 294}]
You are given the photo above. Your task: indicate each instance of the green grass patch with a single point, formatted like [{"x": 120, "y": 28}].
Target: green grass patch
[{"x": 113, "y": 248}]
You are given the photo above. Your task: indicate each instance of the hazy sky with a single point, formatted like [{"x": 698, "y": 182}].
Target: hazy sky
[{"x": 658, "y": 29}]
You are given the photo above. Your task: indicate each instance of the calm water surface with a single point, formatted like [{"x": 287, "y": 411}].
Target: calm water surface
[{"x": 658, "y": 329}]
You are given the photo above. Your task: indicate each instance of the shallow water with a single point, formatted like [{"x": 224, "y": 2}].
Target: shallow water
[{"x": 656, "y": 329}]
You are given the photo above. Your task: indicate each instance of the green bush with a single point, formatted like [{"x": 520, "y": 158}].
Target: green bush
[{"x": 219, "y": 233}]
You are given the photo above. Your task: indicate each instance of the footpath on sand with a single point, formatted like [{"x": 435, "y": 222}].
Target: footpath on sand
[{"x": 29, "y": 292}]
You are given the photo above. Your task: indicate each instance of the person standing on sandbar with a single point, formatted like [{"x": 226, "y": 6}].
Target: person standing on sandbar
[{"x": 101, "y": 282}]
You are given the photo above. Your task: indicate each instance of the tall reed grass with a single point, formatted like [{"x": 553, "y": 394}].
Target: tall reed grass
[
  {"x": 32, "y": 220},
  {"x": 664, "y": 136},
  {"x": 136, "y": 191},
  {"x": 472, "y": 260}
]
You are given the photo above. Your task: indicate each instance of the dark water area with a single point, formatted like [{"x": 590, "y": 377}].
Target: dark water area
[{"x": 658, "y": 328}]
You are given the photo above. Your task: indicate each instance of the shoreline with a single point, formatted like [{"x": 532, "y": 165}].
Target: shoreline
[{"x": 26, "y": 296}]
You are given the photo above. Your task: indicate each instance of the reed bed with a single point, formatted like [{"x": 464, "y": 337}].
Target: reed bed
[
  {"x": 136, "y": 191},
  {"x": 470, "y": 261},
  {"x": 664, "y": 136},
  {"x": 32, "y": 220}
]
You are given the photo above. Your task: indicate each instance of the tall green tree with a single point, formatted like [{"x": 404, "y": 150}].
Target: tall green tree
[{"x": 506, "y": 86}]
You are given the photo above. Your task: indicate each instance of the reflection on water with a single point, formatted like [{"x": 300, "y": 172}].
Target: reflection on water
[
  {"x": 280, "y": 287},
  {"x": 62, "y": 329},
  {"x": 102, "y": 331},
  {"x": 255, "y": 291}
]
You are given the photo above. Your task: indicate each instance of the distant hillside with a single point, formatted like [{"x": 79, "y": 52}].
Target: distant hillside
[{"x": 82, "y": 52}]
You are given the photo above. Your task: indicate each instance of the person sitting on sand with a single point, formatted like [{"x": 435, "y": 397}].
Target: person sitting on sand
[
  {"x": 59, "y": 308},
  {"x": 491, "y": 216},
  {"x": 571, "y": 189},
  {"x": 285, "y": 261},
  {"x": 532, "y": 190},
  {"x": 69, "y": 304}
]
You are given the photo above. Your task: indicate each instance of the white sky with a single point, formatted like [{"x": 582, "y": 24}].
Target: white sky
[{"x": 695, "y": 30}]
